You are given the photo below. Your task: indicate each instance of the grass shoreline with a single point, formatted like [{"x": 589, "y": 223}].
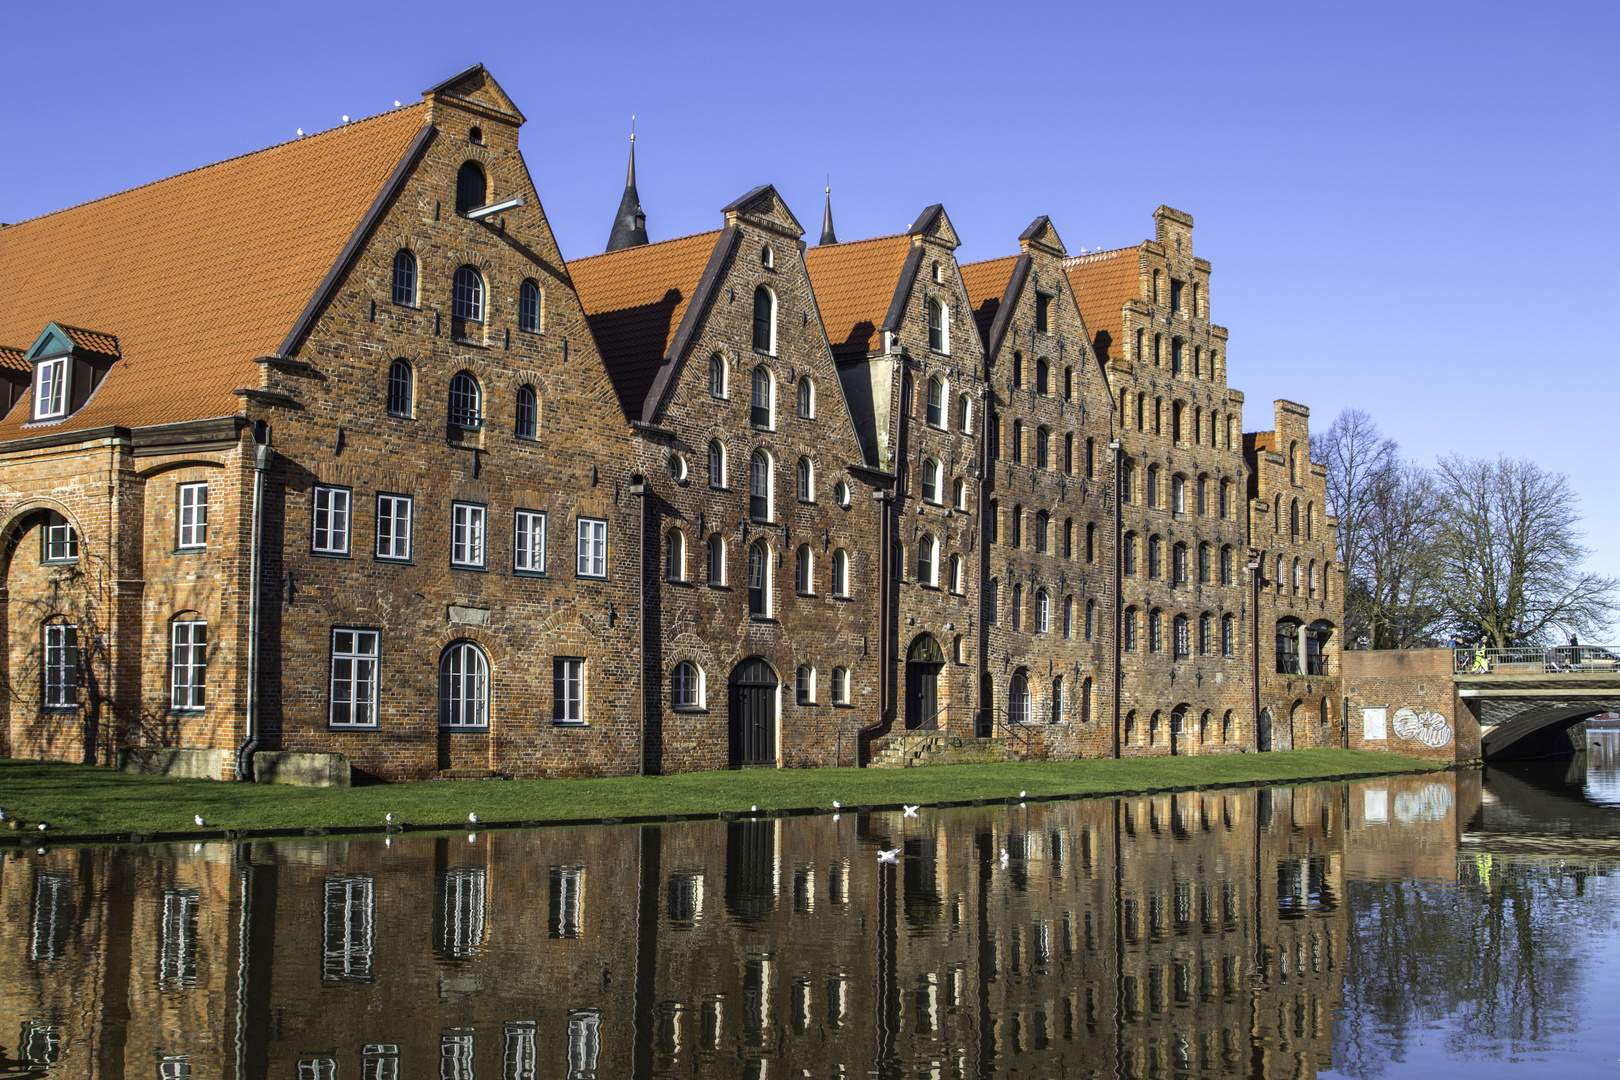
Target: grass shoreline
[{"x": 91, "y": 804}]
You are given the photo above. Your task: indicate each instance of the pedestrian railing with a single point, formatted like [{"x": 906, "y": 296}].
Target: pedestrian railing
[{"x": 1537, "y": 660}]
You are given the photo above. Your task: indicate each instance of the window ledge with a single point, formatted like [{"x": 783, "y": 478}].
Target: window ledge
[
  {"x": 762, "y": 618},
  {"x": 190, "y": 551},
  {"x": 678, "y": 581},
  {"x": 589, "y": 577},
  {"x": 359, "y": 727},
  {"x": 689, "y": 710},
  {"x": 60, "y": 710},
  {"x": 59, "y": 562},
  {"x": 330, "y": 555},
  {"x": 482, "y": 729},
  {"x": 393, "y": 561},
  {"x": 473, "y": 569},
  {"x": 806, "y": 595},
  {"x": 569, "y": 724},
  {"x": 720, "y": 586},
  {"x": 530, "y": 573},
  {"x": 842, "y": 596}
]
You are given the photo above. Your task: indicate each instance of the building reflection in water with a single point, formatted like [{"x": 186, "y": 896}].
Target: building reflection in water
[{"x": 1157, "y": 936}]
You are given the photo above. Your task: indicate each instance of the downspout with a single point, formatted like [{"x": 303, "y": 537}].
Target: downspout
[
  {"x": 1119, "y": 597},
  {"x": 1254, "y": 644},
  {"x": 638, "y": 488},
  {"x": 864, "y": 736},
  {"x": 245, "y": 752}
]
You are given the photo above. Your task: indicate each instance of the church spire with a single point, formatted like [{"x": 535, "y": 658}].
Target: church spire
[
  {"x": 630, "y": 225},
  {"x": 827, "y": 234}
]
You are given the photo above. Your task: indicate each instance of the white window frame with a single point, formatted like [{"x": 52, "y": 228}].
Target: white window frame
[
  {"x": 459, "y": 710},
  {"x": 928, "y": 561},
  {"x": 807, "y": 401},
  {"x": 959, "y": 489},
  {"x": 804, "y": 685},
  {"x": 840, "y": 686},
  {"x": 192, "y": 516},
  {"x": 61, "y": 689},
  {"x": 956, "y": 574},
  {"x": 568, "y": 690},
  {"x": 469, "y": 534},
  {"x": 188, "y": 665},
  {"x": 394, "y": 541},
  {"x": 330, "y": 517},
  {"x": 356, "y": 664},
  {"x": 1043, "y": 611},
  {"x": 51, "y": 388},
  {"x": 935, "y": 304},
  {"x": 61, "y": 540},
  {"x": 714, "y": 559},
  {"x": 840, "y": 573},
  {"x": 687, "y": 693},
  {"x": 591, "y": 548},
  {"x": 529, "y": 541},
  {"x": 674, "y": 555}
]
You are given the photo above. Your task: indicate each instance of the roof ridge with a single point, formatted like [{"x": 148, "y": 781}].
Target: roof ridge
[
  {"x": 642, "y": 247},
  {"x": 1093, "y": 256},
  {"x": 211, "y": 165},
  {"x": 984, "y": 262},
  {"x": 862, "y": 240}
]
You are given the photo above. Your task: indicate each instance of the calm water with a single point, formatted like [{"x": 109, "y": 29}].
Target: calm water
[{"x": 1394, "y": 928}]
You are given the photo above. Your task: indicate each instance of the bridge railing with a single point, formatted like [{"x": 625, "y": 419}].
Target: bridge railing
[{"x": 1537, "y": 660}]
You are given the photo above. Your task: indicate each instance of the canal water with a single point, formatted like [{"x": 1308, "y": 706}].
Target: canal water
[{"x": 1400, "y": 927}]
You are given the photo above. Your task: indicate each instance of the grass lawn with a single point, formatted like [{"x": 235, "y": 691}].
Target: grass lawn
[{"x": 82, "y": 799}]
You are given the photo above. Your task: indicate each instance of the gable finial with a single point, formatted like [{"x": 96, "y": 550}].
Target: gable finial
[
  {"x": 630, "y": 224},
  {"x": 828, "y": 236}
]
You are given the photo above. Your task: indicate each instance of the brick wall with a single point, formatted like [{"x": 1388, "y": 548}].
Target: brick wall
[{"x": 1412, "y": 691}]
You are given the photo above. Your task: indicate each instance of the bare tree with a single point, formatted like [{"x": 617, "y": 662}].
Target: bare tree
[
  {"x": 1510, "y": 554},
  {"x": 1394, "y": 598},
  {"x": 1356, "y": 454}
]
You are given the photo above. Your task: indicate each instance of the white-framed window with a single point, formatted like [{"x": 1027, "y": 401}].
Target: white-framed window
[
  {"x": 964, "y": 414},
  {"x": 840, "y": 573},
  {"x": 393, "y": 527},
  {"x": 959, "y": 494},
  {"x": 933, "y": 482},
  {"x": 568, "y": 690},
  {"x": 717, "y": 464},
  {"x": 716, "y": 547},
  {"x": 764, "y": 321},
  {"x": 50, "y": 388},
  {"x": 927, "y": 561},
  {"x": 804, "y": 685},
  {"x": 354, "y": 678},
  {"x": 674, "y": 555},
  {"x": 841, "y": 493},
  {"x": 61, "y": 665},
  {"x": 939, "y": 326},
  {"x": 840, "y": 686},
  {"x": 717, "y": 376},
  {"x": 759, "y": 579},
  {"x": 61, "y": 540},
  {"x": 331, "y": 520},
  {"x": 759, "y": 486},
  {"x": 762, "y": 399},
  {"x": 686, "y": 686},
  {"x": 807, "y": 398},
  {"x": 807, "y": 480},
  {"x": 804, "y": 571},
  {"x": 1043, "y": 612},
  {"x": 467, "y": 532},
  {"x": 463, "y": 686},
  {"x": 529, "y": 542},
  {"x": 937, "y": 396},
  {"x": 193, "y": 517},
  {"x": 956, "y": 573},
  {"x": 591, "y": 554},
  {"x": 188, "y": 661}
]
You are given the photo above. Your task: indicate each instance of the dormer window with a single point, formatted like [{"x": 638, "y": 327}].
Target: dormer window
[
  {"x": 50, "y": 388},
  {"x": 68, "y": 365}
]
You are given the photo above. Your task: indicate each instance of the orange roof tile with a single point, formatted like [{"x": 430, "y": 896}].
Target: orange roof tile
[
  {"x": 90, "y": 341},
  {"x": 198, "y": 274},
  {"x": 634, "y": 300},
  {"x": 14, "y": 359},
  {"x": 986, "y": 284},
  {"x": 855, "y": 285},
  {"x": 1102, "y": 283}
]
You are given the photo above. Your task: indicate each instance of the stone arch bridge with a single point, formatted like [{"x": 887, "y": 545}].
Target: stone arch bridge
[{"x": 1526, "y": 705}]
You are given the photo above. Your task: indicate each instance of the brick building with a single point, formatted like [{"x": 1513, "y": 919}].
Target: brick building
[{"x": 391, "y": 478}]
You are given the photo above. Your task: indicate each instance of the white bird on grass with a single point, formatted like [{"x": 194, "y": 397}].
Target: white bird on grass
[
  {"x": 389, "y": 818},
  {"x": 198, "y": 818},
  {"x": 1021, "y": 794},
  {"x": 837, "y": 805},
  {"x": 890, "y": 856},
  {"x": 911, "y": 811},
  {"x": 753, "y": 809},
  {"x": 43, "y": 826},
  {"x": 473, "y": 818}
]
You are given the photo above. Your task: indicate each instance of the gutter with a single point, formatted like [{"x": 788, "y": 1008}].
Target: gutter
[
  {"x": 638, "y": 488},
  {"x": 1119, "y": 597},
  {"x": 244, "y": 753},
  {"x": 864, "y": 735}
]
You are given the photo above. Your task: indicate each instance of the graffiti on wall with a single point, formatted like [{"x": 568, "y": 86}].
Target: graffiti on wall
[{"x": 1427, "y": 727}]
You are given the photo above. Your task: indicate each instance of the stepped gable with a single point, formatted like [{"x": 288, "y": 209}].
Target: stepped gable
[
  {"x": 198, "y": 274},
  {"x": 1103, "y": 282},
  {"x": 855, "y": 285},
  {"x": 986, "y": 284},
  {"x": 635, "y": 300}
]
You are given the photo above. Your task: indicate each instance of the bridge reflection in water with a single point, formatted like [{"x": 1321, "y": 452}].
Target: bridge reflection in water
[{"x": 1225, "y": 933}]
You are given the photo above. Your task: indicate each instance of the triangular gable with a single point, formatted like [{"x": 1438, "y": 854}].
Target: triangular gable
[
  {"x": 1042, "y": 234},
  {"x": 57, "y": 339},
  {"x": 476, "y": 87},
  {"x": 934, "y": 222},
  {"x": 764, "y": 208}
]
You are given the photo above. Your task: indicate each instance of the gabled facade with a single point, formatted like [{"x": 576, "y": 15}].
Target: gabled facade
[{"x": 757, "y": 499}]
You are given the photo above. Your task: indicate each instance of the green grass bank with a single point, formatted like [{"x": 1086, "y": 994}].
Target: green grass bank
[{"x": 80, "y": 801}]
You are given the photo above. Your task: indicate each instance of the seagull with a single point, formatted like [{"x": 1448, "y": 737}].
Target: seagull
[
  {"x": 345, "y": 118},
  {"x": 890, "y": 856},
  {"x": 1005, "y": 858},
  {"x": 1021, "y": 794},
  {"x": 753, "y": 809},
  {"x": 837, "y": 805},
  {"x": 911, "y": 811},
  {"x": 300, "y": 133},
  {"x": 43, "y": 826},
  {"x": 198, "y": 818},
  {"x": 389, "y": 818},
  {"x": 396, "y": 104},
  {"x": 473, "y": 818}
]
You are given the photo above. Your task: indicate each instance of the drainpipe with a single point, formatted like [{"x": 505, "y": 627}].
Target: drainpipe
[
  {"x": 244, "y": 753},
  {"x": 1119, "y": 597},
  {"x": 1254, "y": 643},
  {"x": 638, "y": 488},
  {"x": 885, "y": 596}
]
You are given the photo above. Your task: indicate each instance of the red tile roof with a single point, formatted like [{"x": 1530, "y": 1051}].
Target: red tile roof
[
  {"x": 855, "y": 285},
  {"x": 986, "y": 284},
  {"x": 634, "y": 300},
  {"x": 198, "y": 274},
  {"x": 90, "y": 341},
  {"x": 1102, "y": 283},
  {"x": 13, "y": 359}
]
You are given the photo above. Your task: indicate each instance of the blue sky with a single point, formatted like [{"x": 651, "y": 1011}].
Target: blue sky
[{"x": 1409, "y": 207}]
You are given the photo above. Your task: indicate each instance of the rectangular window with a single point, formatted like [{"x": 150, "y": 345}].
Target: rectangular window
[
  {"x": 568, "y": 690},
  {"x": 393, "y": 527},
  {"x": 529, "y": 542},
  {"x": 467, "y": 534},
  {"x": 1043, "y": 305},
  {"x": 354, "y": 678},
  {"x": 50, "y": 388},
  {"x": 332, "y": 520},
  {"x": 61, "y": 666},
  {"x": 348, "y": 931},
  {"x": 61, "y": 541},
  {"x": 189, "y": 662},
  {"x": 193, "y": 517},
  {"x": 592, "y": 552}
]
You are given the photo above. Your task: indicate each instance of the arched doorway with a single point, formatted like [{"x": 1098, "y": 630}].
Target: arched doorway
[
  {"x": 923, "y": 663},
  {"x": 753, "y": 714},
  {"x": 1262, "y": 731},
  {"x": 1178, "y": 730}
]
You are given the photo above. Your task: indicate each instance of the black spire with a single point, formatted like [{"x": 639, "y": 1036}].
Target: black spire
[
  {"x": 827, "y": 234},
  {"x": 630, "y": 226}
]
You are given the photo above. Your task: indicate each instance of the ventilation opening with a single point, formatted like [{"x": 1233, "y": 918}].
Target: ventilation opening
[{"x": 476, "y": 135}]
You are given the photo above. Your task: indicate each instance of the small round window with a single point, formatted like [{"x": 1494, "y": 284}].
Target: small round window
[
  {"x": 841, "y": 493},
  {"x": 677, "y": 468}
]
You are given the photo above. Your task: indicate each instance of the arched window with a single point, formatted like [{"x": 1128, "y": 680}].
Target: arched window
[
  {"x": 1015, "y": 610},
  {"x": 1293, "y": 519},
  {"x": 930, "y": 480},
  {"x": 1130, "y": 735},
  {"x": 1128, "y": 629},
  {"x": 993, "y": 521},
  {"x": 936, "y": 402},
  {"x": 1226, "y": 499},
  {"x": 1153, "y": 728},
  {"x": 527, "y": 413},
  {"x": 1226, "y": 727},
  {"x": 1155, "y": 629},
  {"x": 1018, "y": 442},
  {"x": 1178, "y": 564},
  {"x": 471, "y": 187},
  {"x": 463, "y": 687},
  {"x": 1043, "y": 440},
  {"x": 959, "y": 494},
  {"x": 1068, "y": 453},
  {"x": 1018, "y": 698},
  {"x": 1017, "y": 526},
  {"x": 807, "y": 480},
  {"x": 1205, "y": 722},
  {"x": 1293, "y": 463},
  {"x": 764, "y": 320},
  {"x": 674, "y": 555},
  {"x": 466, "y": 401},
  {"x": 467, "y": 302},
  {"x": 1203, "y": 496},
  {"x": 759, "y": 486},
  {"x": 1178, "y": 494},
  {"x": 1297, "y": 578},
  {"x": 759, "y": 579},
  {"x": 1068, "y": 538},
  {"x": 939, "y": 326},
  {"x": 762, "y": 402},
  {"x": 1018, "y": 369},
  {"x": 717, "y": 376},
  {"x": 841, "y": 493},
  {"x": 840, "y": 573},
  {"x": 717, "y": 559},
  {"x": 1204, "y": 631},
  {"x": 686, "y": 686},
  {"x": 840, "y": 686},
  {"x": 1068, "y": 384},
  {"x": 1091, "y": 541},
  {"x": 1183, "y": 638},
  {"x": 1042, "y": 377},
  {"x": 767, "y": 257},
  {"x": 964, "y": 413},
  {"x": 927, "y": 561},
  {"x": 399, "y": 388},
  {"x": 1043, "y": 611},
  {"x": 807, "y": 398},
  {"x": 405, "y": 278},
  {"x": 1127, "y": 482},
  {"x": 956, "y": 574},
  {"x": 717, "y": 464},
  {"x": 1153, "y": 486},
  {"x": 1057, "y": 700},
  {"x": 1310, "y": 580},
  {"x": 1288, "y": 634},
  {"x": 1068, "y": 616},
  {"x": 905, "y": 395},
  {"x": 804, "y": 579},
  {"x": 804, "y": 685},
  {"x": 1091, "y": 620},
  {"x": 1085, "y": 701},
  {"x": 1281, "y": 578},
  {"x": 1203, "y": 564},
  {"x": 529, "y": 306},
  {"x": 1042, "y": 525},
  {"x": 1155, "y": 563},
  {"x": 1226, "y": 565},
  {"x": 1310, "y": 519},
  {"x": 1128, "y": 554},
  {"x": 1277, "y": 515}
]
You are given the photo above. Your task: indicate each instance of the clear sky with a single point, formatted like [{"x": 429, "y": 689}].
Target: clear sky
[{"x": 1410, "y": 207}]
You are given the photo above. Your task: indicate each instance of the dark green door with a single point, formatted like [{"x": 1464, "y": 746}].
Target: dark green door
[{"x": 753, "y": 715}]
